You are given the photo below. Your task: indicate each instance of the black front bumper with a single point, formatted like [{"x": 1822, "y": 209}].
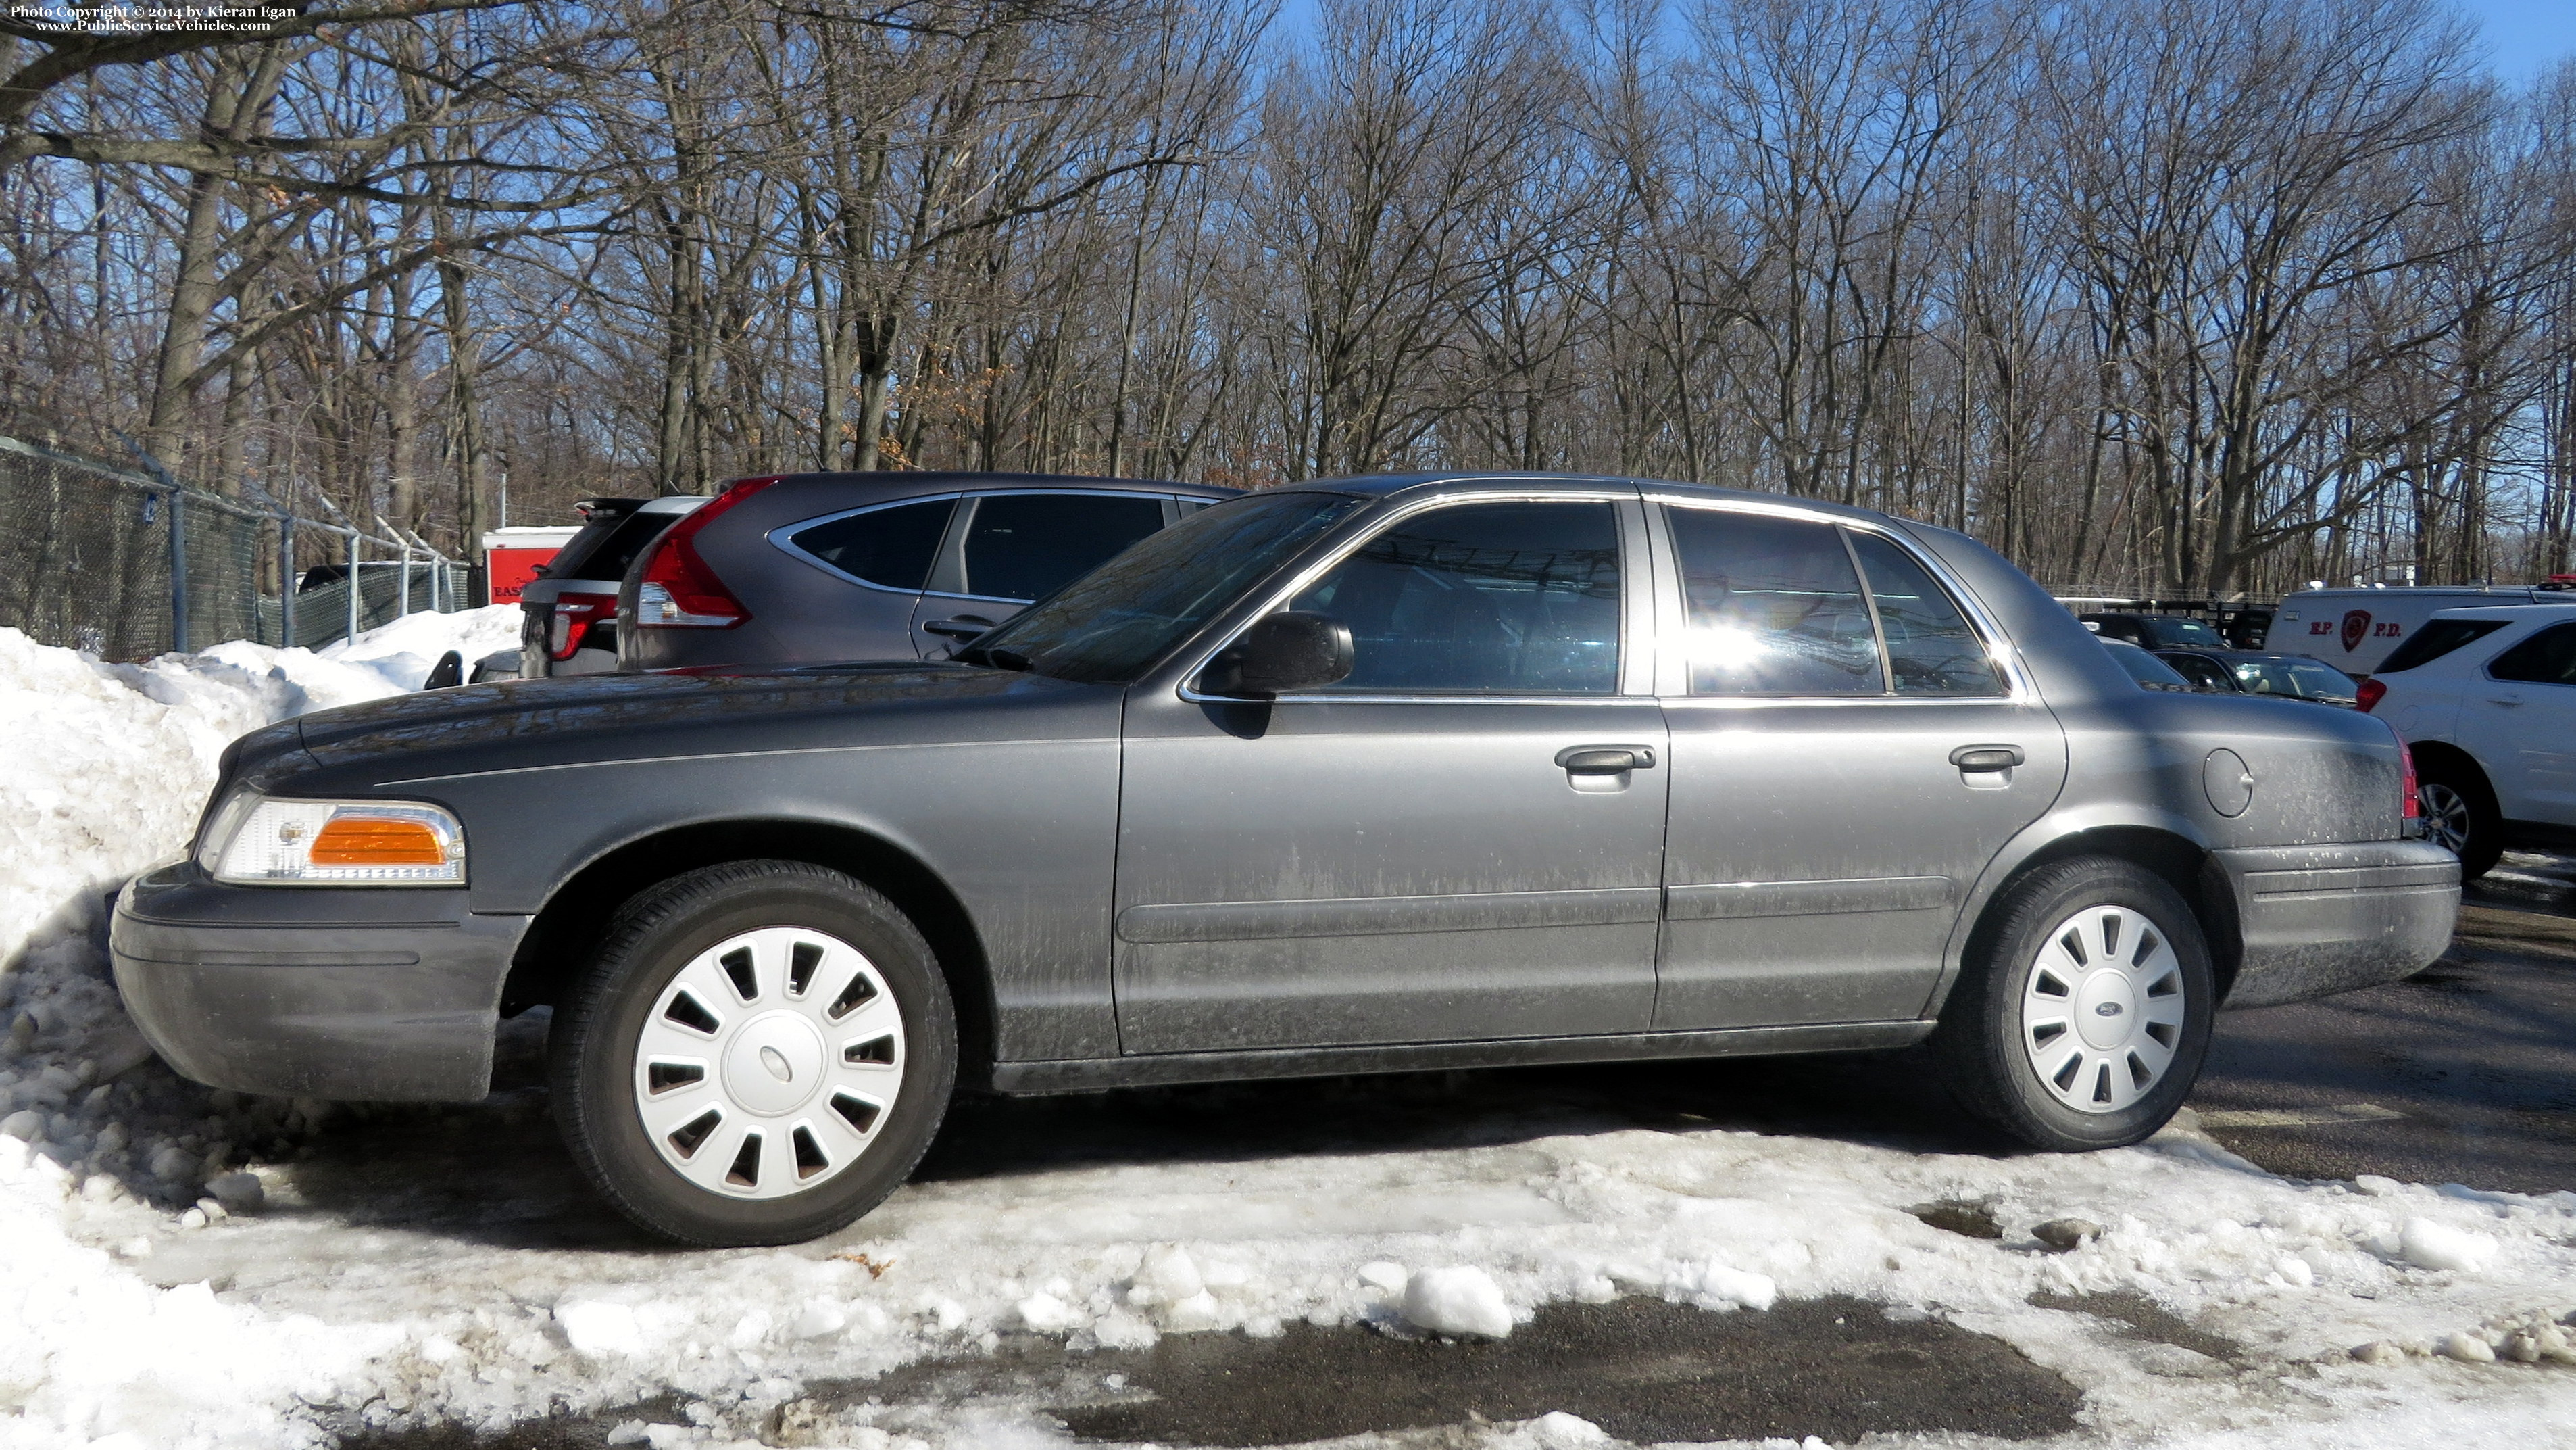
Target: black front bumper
[{"x": 324, "y": 992}]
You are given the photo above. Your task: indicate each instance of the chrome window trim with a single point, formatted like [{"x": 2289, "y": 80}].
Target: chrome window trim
[
  {"x": 1631, "y": 622},
  {"x": 2018, "y": 689},
  {"x": 779, "y": 537}
]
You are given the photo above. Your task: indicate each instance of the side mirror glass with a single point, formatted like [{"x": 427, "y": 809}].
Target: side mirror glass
[{"x": 1293, "y": 650}]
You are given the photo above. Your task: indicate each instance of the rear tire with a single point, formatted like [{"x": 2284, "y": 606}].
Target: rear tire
[
  {"x": 2084, "y": 1009},
  {"x": 2461, "y": 816},
  {"x": 759, "y": 1054}
]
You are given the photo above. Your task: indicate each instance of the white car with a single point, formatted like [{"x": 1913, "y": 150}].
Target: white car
[{"x": 2487, "y": 700}]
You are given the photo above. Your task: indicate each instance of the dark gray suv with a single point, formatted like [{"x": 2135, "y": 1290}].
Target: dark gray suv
[
  {"x": 1347, "y": 777},
  {"x": 811, "y": 567}
]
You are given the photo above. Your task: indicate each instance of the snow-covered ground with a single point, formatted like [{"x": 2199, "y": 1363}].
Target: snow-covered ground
[{"x": 131, "y": 1316}]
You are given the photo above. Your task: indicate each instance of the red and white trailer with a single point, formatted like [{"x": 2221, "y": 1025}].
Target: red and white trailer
[{"x": 511, "y": 558}]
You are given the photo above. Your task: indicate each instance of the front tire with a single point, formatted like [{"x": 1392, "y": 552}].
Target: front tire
[
  {"x": 759, "y": 1054},
  {"x": 2083, "y": 1012}
]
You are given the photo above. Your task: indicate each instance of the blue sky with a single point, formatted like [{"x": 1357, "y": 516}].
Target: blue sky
[{"x": 2525, "y": 36}]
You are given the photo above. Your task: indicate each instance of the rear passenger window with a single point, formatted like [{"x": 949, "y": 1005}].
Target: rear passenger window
[
  {"x": 2436, "y": 639},
  {"x": 2547, "y": 658},
  {"x": 1028, "y": 545},
  {"x": 889, "y": 547},
  {"x": 1775, "y": 608},
  {"x": 1504, "y": 598},
  {"x": 1930, "y": 648}
]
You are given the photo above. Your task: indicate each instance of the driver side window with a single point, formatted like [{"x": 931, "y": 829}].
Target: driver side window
[{"x": 1489, "y": 598}]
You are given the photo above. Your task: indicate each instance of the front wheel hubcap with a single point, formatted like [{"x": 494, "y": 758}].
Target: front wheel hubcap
[
  {"x": 770, "y": 1063},
  {"x": 2102, "y": 1009}
]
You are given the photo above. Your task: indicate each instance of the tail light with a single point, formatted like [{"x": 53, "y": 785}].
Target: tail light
[
  {"x": 573, "y": 617},
  {"x": 2414, "y": 800},
  {"x": 2370, "y": 693},
  {"x": 676, "y": 589}
]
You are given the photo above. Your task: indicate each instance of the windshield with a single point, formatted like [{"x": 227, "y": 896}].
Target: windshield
[
  {"x": 1109, "y": 625},
  {"x": 2172, "y": 632},
  {"x": 2306, "y": 679},
  {"x": 2146, "y": 669}
]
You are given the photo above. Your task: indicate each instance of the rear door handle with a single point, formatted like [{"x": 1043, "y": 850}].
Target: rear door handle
[
  {"x": 2508, "y": 701},
  {"x": 1986, "y": 757},
  {"x": 963, "y": 626},
  {"x": 1604, "y": 759}
]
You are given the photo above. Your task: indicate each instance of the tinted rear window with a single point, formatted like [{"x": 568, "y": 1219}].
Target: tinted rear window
[
  {"x": 569, "y": 561},
  {"x": 629, "y": 538},
  {"x": 1029, "y": 545},
  {"x": 890, "y": 547},
  {"x": 2547, "y": 658},
  {"x": 2436, "y": 639}
]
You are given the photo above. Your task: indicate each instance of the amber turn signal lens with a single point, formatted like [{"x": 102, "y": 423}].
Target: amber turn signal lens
[{"x": 376, "y": 841}]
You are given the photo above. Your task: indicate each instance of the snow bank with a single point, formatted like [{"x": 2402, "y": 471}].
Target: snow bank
[
  {"x": 403, "y": 652},
  {"x": 108, "y": 767}
]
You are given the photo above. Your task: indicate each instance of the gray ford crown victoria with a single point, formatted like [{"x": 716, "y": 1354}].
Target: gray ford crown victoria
[{"x": 1352, "y": 776}]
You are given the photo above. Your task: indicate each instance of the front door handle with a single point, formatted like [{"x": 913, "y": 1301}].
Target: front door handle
[
  {"x": 2508, "y": 701},
  {"x": 1604, "y": 759},
  {"x": 963, "y": 626},
  {"x": 1974, "y": 758}
]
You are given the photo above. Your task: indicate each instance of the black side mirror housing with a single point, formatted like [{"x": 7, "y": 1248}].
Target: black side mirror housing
[{"x": 1292, "y": 650}]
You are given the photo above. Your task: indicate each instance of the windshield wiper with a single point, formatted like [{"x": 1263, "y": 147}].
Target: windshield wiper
[{"x": 999, "y": 659}]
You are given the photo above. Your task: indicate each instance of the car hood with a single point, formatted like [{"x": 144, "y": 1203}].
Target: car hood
[{"x": 588, "y": 718}]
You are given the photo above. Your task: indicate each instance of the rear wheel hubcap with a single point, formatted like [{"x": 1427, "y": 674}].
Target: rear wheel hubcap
[{"x": 2102, "y": 1009}]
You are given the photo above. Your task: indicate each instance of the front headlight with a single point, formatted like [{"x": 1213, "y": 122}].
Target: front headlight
[{"x": 254, "y": 841}]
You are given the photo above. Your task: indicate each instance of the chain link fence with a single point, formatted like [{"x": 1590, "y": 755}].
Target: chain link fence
[{"x": 127, "y": 565}]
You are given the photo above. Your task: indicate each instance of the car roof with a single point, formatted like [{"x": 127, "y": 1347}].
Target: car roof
[
  {"x": 2237, "y": 654},
  {"x": 893, "y": 484},
  {"x": 1388, "y": 485},
  {"x": 2510, "y": 613}
]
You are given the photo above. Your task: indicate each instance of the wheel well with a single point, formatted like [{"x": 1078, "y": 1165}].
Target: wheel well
[
  {"x": 559, "y": 942},
  {"x": 2193, "y": 873},
  {"x": 2439, "y": 757}
]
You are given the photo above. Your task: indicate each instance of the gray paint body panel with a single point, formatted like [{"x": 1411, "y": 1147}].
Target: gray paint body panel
[
  {"x": 1855, "y": 835},
  {"x": 1316, "y": 869}
]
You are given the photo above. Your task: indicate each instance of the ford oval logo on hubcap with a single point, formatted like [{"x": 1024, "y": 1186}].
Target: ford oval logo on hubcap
[
  {"x": 776, "y": 1062},
  {"x": 2107, "y": 1009}
]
